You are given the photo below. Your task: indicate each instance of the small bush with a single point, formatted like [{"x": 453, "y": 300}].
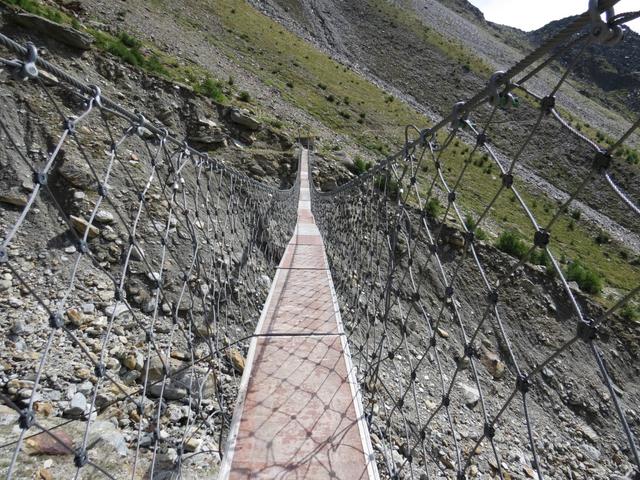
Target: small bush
[
  {"x": 361, "y": 165},
  {"x": 244, "y": 96},
  {"x": 322, "y": 86},
  {"x": 211, "y": 88},
  {"x": 540, "y": 257},
  {"x": 345, "y": 115},
  {"x": 330, "y": 98},
  {"x": 630, "y": 312},
  {"x": 129, "y": 40},
  {"x": 470, "y": 223},
  {"x": 512, "y": 244},
  {"x": 602, "y": 238},
  {"x": 290, "y": 84},
  {"x": 588, "y": 280},
  {"x": 37, "y": 8},
  {"x": 388, "y": 185},
  {"x": 433, "y": 207},
  {"x": 576, "y": 214}
]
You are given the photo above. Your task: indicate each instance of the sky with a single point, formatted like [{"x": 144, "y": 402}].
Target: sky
[{"x": 532, "y": 14}]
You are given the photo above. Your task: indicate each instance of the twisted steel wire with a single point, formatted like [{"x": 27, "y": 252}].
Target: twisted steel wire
[
  {"x": 403, "y": 288},
  {"x": 196, "y": 233}
]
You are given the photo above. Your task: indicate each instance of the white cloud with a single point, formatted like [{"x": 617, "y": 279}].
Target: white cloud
[{"x": 531, "y": 15}]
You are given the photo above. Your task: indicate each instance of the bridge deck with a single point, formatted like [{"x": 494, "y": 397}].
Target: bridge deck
[{"x": 298, "y": 413}]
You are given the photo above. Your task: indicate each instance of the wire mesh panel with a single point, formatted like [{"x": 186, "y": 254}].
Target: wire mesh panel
[
  {"x": 134, "y": 269},
  {"x": 472, "y": 363}
]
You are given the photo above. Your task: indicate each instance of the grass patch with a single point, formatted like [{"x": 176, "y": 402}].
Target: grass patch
[
  {"x": 588, "y": 280},
  {"x": 309, "y": 79},
  {"x": 571, "y": 238},
  {"x": 37, "y": 8},
  {"x": 361, "y": 165},
  {"x": 511, "y": 243}
]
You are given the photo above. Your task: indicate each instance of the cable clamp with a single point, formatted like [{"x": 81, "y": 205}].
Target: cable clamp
[
  {"x": 603, "y": 32},
  {"x": 457, "y": 115},
  {"x": 27, "y": 69},
  {"x": 499, "y": 99}
]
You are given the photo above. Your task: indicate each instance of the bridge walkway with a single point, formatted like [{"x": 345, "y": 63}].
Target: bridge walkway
[{"x": 299, "y": 413}]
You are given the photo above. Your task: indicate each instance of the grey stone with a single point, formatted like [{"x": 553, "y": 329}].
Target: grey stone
[
  {"x": 591, "y": 452},
  {"x": 62, "y": 33},
  {"x": 116, "y": 311},
  {"x": 170, "y": 392},
  {"x": 5, "y": 284},
  {"x": 13, "y": 197},
  {"x": 470, "y": 395},
  {"x": 103, "y": 216},
  {"x": 244, "y": 119},
  {"x": 107, "y": 434},
  {"x": 77, "y": 406}
]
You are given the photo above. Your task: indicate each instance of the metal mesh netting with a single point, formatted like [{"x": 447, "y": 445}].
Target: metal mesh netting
[
  {"x": 473, "y": 363},
  {"x": 135, "y": 270}
]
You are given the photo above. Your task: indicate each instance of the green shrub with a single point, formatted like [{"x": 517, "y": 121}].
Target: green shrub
[
  {"x": 510, "y": 243},
  {"x": 433, "y": 207},
  {"x": 630, "y": 312},
  {"x": 361, "y": 165},
  {"x": 602, "y": 238},
  {"x": 388, "y": 185},
  {"x": 470, "y": 223},
  {"x": 37, "y": 8},
  {"x": 540, "y": 257},
  {"x": 211, "y": 88},
  {"x": 588, "y": 280},
  {"x": 244, "y": 96},
  {"x": 129, "y": 41}
]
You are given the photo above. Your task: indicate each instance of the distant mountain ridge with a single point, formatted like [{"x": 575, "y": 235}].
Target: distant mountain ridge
[{"x": 615, "y": 71}]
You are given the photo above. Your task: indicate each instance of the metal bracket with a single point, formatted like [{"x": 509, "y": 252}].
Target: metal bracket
[
  {"x": 27, "y": 69},
  {"x": 602, "y": 31}
]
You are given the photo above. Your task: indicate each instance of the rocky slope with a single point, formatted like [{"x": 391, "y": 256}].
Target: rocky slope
[{"x": 407, "y": 75}]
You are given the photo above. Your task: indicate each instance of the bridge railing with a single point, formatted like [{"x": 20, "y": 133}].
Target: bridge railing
[
  {"x": 134, "y": 268},
  {"x": 473, "y": 363}
]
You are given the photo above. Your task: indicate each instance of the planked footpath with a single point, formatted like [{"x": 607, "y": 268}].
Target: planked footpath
[{"x": 299, "y": 413}]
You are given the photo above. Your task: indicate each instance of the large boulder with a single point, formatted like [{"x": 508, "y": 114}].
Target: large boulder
[
  {"x": 244, "y": 119},
  {"x": 63, "y": 33},
  {"x": 207, "y": 133}
]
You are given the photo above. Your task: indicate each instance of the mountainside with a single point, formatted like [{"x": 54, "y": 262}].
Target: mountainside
[
  {"x": 611, "y": 74},
  {"x": 242, "y": 80}
]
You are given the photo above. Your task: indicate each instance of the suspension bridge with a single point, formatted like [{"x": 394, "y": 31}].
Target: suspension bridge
[{"x": 392, "y": 342}]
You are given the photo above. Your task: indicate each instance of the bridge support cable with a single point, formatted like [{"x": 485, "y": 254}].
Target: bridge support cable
[
  {"x": 135, "y": 265},
  {"x": 456, "y": 351}
]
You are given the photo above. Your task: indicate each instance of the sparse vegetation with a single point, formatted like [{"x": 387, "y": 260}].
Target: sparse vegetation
[
  {"x": 212, "y": 89},
  {"x": 470, "y": 223},
  {"x": 588, "y": 280},
  {"x": 509, "y": 242},
  {"x": 361, "y": 165},
  {"x": 433, "y": 207}
]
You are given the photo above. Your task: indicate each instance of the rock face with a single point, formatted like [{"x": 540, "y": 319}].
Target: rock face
[
  {"x": 206, "y": 133},
  {"x": 244, "y": 119},
  {"x": 67, "y": 35}
]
